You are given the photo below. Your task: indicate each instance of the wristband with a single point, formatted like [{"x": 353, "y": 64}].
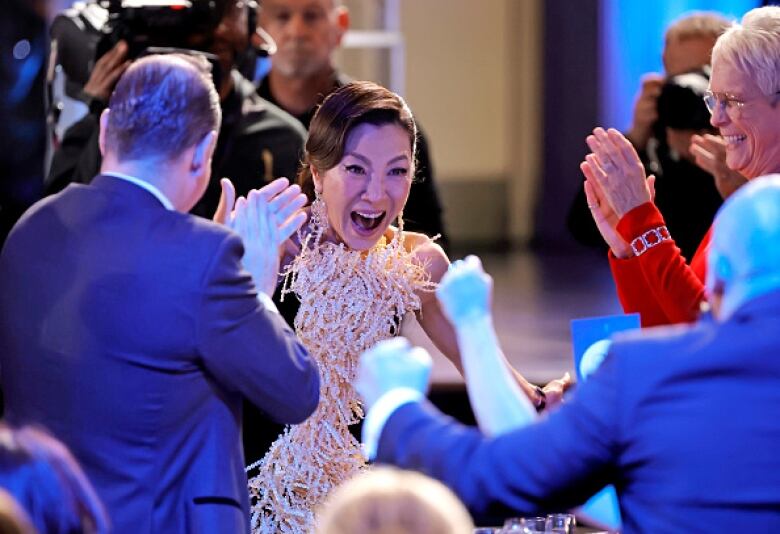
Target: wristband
[{"x": 650, "y": 239}]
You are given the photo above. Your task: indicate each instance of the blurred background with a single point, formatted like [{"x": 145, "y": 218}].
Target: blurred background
[{"x": 507, "y": 91}]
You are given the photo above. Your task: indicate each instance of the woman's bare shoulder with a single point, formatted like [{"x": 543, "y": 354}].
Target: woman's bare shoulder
[{"x": 427, "y": 252}]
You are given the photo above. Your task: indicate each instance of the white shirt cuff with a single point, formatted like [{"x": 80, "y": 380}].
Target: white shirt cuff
[
  {"x": 378, "y": 415},
  {"x": 266, "y": 301}
]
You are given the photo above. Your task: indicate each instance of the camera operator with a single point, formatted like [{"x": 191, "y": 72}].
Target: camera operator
[{"x": 257, "y": 141}]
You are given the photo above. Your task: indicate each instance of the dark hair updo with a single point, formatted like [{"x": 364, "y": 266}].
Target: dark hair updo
[{"x": 345, "y": 108}]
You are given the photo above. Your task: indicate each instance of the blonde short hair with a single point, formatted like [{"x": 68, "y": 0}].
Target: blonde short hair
[
  {"x": 753, "y": 47},
  {"x": 384, "y": 500},
  {"x": 697, "y": 25}
]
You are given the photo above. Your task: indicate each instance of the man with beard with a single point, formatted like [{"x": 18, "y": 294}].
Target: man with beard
[{"x": 257, "y": 141}]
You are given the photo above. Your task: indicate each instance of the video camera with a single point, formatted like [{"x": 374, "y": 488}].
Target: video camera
[
  {"x": 82, "y": 34},
  {"x": 681, "y": 104},
  {"x": 85, "y": 32},
  {"x": 143, "y": 24}
]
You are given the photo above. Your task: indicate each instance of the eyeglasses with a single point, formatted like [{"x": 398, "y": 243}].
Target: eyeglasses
[{"x": 724, "y": 102}]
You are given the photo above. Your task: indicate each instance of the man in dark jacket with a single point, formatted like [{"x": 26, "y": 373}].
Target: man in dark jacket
[{"x": 133, "y": 330}]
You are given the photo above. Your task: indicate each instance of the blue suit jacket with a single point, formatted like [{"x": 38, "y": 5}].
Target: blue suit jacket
[
  {"x": 684, "y": 421},
  {"x": 132, "y": 333}
]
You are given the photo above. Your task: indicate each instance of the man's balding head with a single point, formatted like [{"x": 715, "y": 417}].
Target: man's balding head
[
  {"x": 744, "y": 257},
  {"x": 162, "y": 105}
]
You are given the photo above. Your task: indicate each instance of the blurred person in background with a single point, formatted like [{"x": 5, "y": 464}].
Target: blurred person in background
[
  {"x": 651, "y": 274},
  {"x": 384, "y": 500},
  {"x": 303, "y": 72},
  {"x": 687, "y": 47},
  {"x": 46, "y": 481},
  {"x": 23, "y": 51},
  {"x": 257, "y": 141}
]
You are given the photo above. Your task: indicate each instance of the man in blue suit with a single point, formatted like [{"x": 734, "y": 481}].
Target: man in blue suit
[
  {"x": 683, "y": 421},
  {"x": 132, "y": 330}
]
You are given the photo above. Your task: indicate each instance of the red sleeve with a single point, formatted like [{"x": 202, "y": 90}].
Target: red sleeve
[
  {"x": 634, "y": 292},
  {"x": 667, "y": 285}
]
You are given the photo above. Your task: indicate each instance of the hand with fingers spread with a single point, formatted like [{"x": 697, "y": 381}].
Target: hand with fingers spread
[
  {"x": 608, "y": 148},
  {"x": 710, "y": 154},
  {"x": 645, "y": 110},
  {"x": 265, "y": 219},
  {"x": 106, "y": 72},
  {"x": 616, "y": 168}
]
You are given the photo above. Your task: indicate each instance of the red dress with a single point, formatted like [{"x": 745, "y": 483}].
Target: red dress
[{"x": 658, "y": 284}]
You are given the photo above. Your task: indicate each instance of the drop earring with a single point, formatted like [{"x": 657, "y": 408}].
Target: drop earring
[{"x": 318, "y": 216}]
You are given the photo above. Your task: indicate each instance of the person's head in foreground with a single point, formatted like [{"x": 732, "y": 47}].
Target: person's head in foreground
[
  {"x": 385, "y": 500},
  {"x": 359, "y": 162},
  {"x": 44, "y": 478},
  {"x": 161, "y": 125},
  {"x": 744, "y": 258},
  {"x": 13, "y": 518},
  {"x": 744, "y": 96}
]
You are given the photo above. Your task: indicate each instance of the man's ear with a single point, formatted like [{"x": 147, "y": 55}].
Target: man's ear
[
  {"x": 102, "y": 133},
  {"x": 204, "y": 150},
  {"x": 719, "y": 274},
  {"x": 342, "y": 22},
  {"x": 723, "y": 269}
]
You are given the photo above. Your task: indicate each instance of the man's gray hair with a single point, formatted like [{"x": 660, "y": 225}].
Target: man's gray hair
[
  {"x": 162, "y": 105},
  {"x": 753, "y": 46}
]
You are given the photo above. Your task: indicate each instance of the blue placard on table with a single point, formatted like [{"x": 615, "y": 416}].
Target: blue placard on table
[{"x": 590, "y": 340}]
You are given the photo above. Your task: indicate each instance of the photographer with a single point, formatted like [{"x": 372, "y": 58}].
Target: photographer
[{"x": 257, "y": 141}]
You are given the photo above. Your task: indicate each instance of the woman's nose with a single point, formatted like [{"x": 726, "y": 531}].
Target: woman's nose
[
  {"x": 374, "y": 188},
  {"x": 719, "y": 117}
]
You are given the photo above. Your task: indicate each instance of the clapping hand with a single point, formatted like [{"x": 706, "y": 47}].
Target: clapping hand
[
  {"x": 615, "y": 184},
  {"x": 227, "y": 200},
  {"x": 389, "y": 365},
  {"x": 265, "y": 219},
  {"x": 465, "y": 291},
  {"x": 710, "y": 153}
]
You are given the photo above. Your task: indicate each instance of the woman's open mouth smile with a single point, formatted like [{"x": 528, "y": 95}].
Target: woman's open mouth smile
[{"x": 366, "y": 222}]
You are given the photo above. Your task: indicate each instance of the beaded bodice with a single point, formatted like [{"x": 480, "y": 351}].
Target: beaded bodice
[{"x": 350, "y": 300}]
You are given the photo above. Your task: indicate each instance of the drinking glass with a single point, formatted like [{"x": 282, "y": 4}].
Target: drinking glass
[
  {"x": 512, "y": 525},
  {"x": 534, "y": 525},
  {"x": 561, "y": 523}
]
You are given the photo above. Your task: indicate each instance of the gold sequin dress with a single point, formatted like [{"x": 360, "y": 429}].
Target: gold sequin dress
[{"x": 350, "y": 300}]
